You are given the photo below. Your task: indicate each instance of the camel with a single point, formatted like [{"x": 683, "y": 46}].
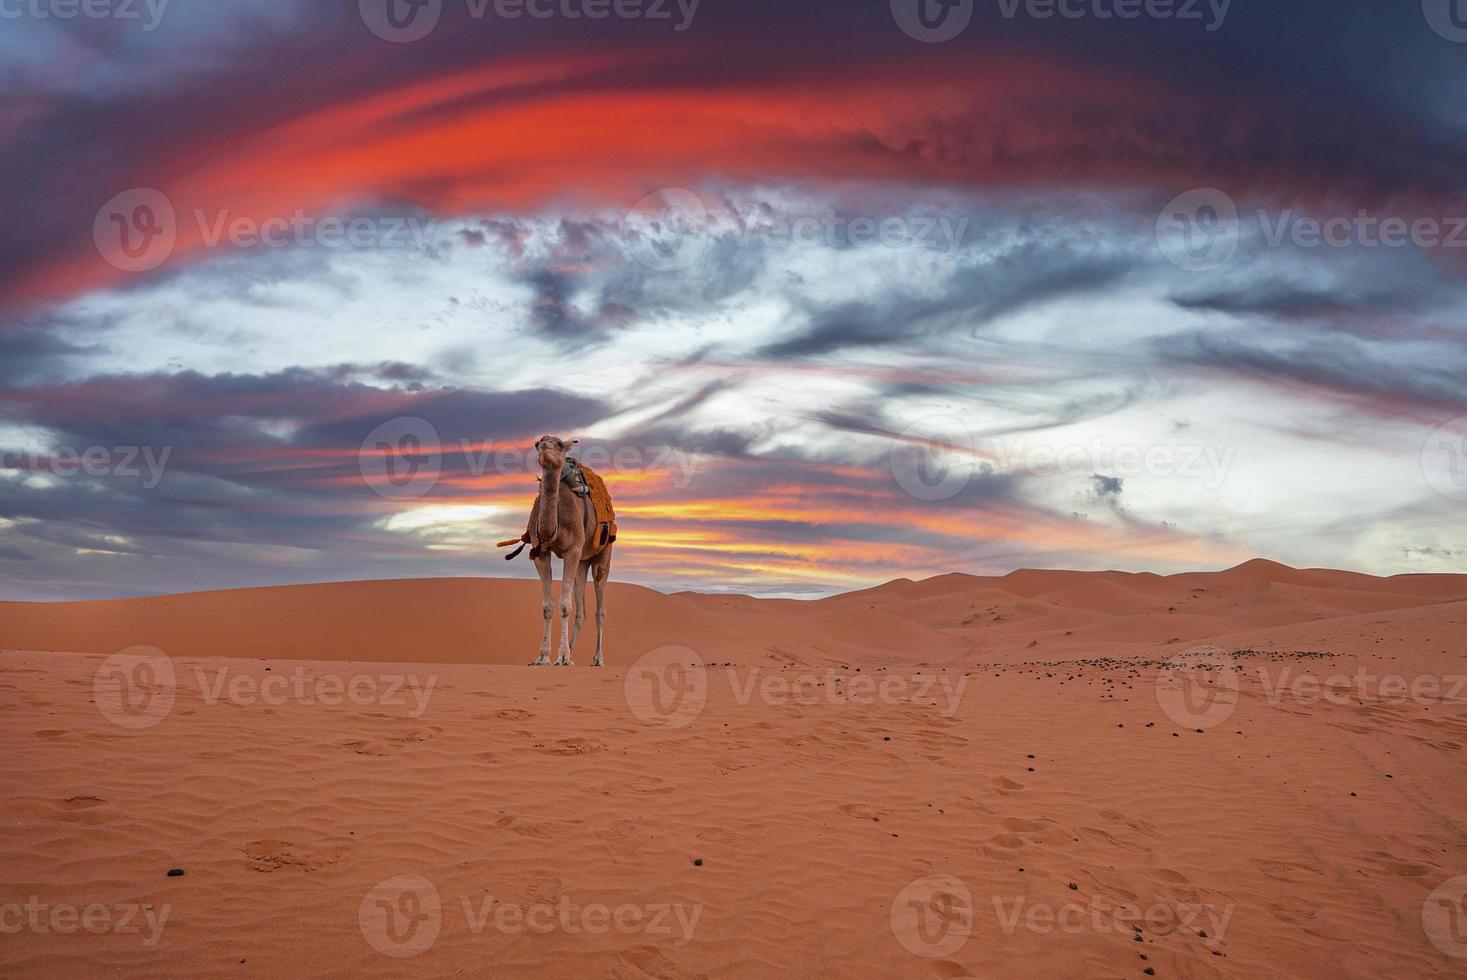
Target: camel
[{"x": 563, "y": 523}]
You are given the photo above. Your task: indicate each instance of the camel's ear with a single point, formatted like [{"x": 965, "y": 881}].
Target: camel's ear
[{"x": 571, "y": 443}]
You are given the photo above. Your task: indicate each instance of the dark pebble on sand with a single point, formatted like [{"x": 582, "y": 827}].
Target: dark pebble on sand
[
  {"x": 1074, "y": 887},
  {"x": 697, "y": 862},
  {"x": 175, "y": 872}
]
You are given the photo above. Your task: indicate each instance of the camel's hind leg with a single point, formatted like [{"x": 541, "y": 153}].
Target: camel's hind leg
[
  {"x": 600, "y": 572},
  {"x": 547, "y": 607},
  {"x": 580, "y": 602}
]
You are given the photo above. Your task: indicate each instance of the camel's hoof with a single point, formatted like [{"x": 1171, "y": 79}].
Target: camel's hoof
[{"x": 540, "y": 663}]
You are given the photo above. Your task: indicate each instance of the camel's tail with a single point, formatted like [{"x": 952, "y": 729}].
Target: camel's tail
[{"x": 522, "y": 540}]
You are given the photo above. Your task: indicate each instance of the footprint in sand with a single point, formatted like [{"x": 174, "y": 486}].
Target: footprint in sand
[
  {"x": 636, "y": 784},
  {"x": 570, "y": 746},
  {"x": 1286, "y": 871},
  {"x": 1393, "y": 865},
  {"x": 514, "y": 714},
  {"x": 649, "y": 961},
  {"x": 361, "y": 747},
  {"x": 1292, "y": 909},
  {"x": 620, "y": 830},
  {"x": 50, "y": 733},
  {"x": 860, "y": 811},
  {"x": 82, "y": 802},
  {"x": 1020, "y": 826},
  {"x": 1005, "y": 786},
  {"x": 272, "y": 855},
  {"x": 951, "y": 970}
]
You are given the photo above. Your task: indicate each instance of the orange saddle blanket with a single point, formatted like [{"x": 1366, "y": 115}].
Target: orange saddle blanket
[{"x": 600, "y": 502}]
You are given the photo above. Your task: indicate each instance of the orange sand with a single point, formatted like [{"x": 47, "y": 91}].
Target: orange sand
[{"x": 361, "y": 780}]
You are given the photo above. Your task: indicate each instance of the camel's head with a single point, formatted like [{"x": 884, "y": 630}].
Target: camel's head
[{"x": 552, "y": 450}]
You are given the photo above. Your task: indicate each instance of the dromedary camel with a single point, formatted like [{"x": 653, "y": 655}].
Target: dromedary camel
[{"x": 563, "y": 523}]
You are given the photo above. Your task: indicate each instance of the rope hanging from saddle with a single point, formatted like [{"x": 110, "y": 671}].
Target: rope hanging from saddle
[{"x": 585, "y": 483}]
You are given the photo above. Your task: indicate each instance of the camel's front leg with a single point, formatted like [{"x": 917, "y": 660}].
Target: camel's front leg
[
  {"x": 567, "y": 607},
  {"x": 547, "y": 608},
  {"x": 580, "y": 603}
]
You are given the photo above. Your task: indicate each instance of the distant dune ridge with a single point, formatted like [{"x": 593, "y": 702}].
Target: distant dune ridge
[
  {"x": 948, "y": 619},
  {"x": 1038, "y": 775}
]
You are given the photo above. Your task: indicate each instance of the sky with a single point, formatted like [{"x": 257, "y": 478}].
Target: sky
[{"x": 830, "y": 292}]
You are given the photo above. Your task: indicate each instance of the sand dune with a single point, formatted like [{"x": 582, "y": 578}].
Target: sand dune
[{"x": 1015, "y": 776}]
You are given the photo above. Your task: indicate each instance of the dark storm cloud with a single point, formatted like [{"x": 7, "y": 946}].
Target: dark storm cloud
[
  {"x": 1413, "y": 377},
  {"x": 971, "y": 298}
]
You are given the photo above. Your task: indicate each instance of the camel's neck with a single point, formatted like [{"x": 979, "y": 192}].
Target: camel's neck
[{"x": 549, "y": 517}]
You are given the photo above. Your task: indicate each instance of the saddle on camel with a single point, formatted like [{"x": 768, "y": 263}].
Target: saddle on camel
[{"x": 571, "y": 519}]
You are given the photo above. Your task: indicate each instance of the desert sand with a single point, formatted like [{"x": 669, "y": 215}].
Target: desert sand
[{"x": 1248, "y": 773}]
